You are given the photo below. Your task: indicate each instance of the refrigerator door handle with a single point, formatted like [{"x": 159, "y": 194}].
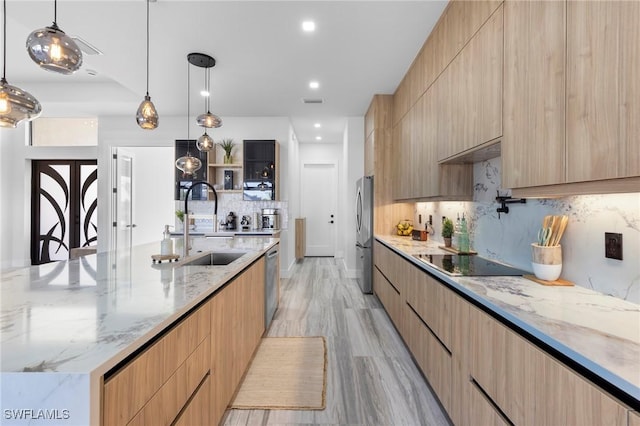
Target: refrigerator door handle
[{"x": 359, "y": 210}]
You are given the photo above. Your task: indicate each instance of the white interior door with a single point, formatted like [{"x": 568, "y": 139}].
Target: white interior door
[
  {"x": 123, "y": 200},
  {"x": 319, "y": 205}
]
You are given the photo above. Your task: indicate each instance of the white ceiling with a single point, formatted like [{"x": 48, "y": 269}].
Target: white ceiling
[{"x": 264, "y": 60}]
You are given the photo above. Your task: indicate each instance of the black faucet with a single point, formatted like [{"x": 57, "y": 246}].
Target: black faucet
[
  {"x": 506, "y": 199},
  {"x": 185, "y": 250}
]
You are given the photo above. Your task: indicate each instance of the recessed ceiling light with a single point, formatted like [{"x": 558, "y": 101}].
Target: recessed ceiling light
[
  {"x": 204, "y": 93},
  {"x": 318, "y": 138},
  {"x": 308, "y": 26},
  {"x": 317, "y": 125},
  {"x": 314, "y": 84}
]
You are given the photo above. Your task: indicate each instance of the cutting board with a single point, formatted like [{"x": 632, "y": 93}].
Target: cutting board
[
  {"x": 557, "y": 283},
  {"x": 456, "y": 251}
]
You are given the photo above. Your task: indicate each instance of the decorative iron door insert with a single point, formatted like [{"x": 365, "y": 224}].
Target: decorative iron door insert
[{"x": 64, "y": 208}]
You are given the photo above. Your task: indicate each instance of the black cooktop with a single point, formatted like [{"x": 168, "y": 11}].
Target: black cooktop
[{"x": 467, "y": 265}]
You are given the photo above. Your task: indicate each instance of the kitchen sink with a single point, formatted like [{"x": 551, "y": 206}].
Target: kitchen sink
[{"x": 214, "y": 258}]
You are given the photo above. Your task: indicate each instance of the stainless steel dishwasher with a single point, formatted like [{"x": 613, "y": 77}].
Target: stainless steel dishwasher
[{"x": 272, "y": 263}]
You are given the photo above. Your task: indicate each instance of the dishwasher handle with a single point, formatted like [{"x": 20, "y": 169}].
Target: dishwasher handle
[{"x": 272, "y": 253}]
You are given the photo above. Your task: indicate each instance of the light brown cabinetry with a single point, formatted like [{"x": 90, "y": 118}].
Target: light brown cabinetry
[
  {"x": 380, "y": 148},
  {"x": 473, "y": 91},
  {"x": 188, "y": 376},
  {"x": 482, "y": 371},
  {"x": 217, "y": 168},
  {"x": 160, "y": 369},
  {"x": 533, "y": 146},
  {"x": 570, "y": 97},
  {"x": 602, "y": 94},
  {"x": 531, "y": 387},
  {"x": 237, "y": 324}
]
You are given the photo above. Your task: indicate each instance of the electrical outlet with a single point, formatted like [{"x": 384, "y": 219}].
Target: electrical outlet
[{"x": 613, "y": 245}]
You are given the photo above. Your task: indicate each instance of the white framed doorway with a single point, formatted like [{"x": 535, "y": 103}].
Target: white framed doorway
[{"x": 319, "y": 204}]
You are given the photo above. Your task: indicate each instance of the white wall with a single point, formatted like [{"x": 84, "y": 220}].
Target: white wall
[{"x": 354, "y": 169}]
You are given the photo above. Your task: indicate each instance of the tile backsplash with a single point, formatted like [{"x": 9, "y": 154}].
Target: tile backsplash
[
  {"x": 509, "y": 237},
  {"x": 232, "y": 202}
]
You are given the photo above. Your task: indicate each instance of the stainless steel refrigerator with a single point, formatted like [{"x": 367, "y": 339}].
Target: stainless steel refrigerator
[{"x": 364, "y": 233}]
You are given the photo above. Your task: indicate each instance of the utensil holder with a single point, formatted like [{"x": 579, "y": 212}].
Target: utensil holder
[{"x": 546, "y": 261}]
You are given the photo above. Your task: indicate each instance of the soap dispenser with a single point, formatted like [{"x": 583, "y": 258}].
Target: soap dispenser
[{"x": 166, "y": 246}]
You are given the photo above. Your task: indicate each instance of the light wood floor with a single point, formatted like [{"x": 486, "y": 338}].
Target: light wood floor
[{"x": 371, "y": 378}]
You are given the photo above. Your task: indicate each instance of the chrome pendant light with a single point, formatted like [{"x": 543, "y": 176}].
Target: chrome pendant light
[
  {"x": 202, "y": 60},
  {"x": 15, "y": 104},
  {"x": 188, "y": 164},
  {"x": 147, "y": 115},
  {"x": 53, "y": 50}
]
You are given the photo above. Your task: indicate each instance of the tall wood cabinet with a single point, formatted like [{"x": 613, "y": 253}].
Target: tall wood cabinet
[
  {"x": 570, "y": 97},
  {"x": 603, "y": 104},
  {"x": 533, "y": 146}
]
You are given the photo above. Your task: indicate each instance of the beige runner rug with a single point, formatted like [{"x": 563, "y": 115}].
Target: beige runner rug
[{"x": 288, "y": 373}]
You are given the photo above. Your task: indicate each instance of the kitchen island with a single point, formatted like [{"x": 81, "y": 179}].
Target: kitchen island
[
  {"x": 506, "y": 333},
  {"x": 68, "y": 325}
]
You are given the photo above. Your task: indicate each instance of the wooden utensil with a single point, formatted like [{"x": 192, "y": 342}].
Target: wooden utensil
[{"x": 561, "y": 227}]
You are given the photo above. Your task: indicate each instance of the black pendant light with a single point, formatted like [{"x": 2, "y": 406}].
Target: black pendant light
[
  {"x": 202, "y": 60},
  {"x": 188, "y": 164},
  {"x": 147, "y": 116},
  {"x": 15, "y": 104},
  {"x": 53, "y": 50}
]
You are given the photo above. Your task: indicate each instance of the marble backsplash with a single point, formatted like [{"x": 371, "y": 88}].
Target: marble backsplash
[
  {"x": 232, "y": 202},
  {"x": 509, "y": 237}
]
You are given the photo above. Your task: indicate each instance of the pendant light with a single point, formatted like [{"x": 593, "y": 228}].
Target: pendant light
[
  {"x": 15, "y": 104},
  {"x": 147, "y": 116},
  {"x": 202, "y": 60},
  {"x": 53, "y": 50},
  {"x": 205, "y": 142},
  {"x": 188, "y": 164}
]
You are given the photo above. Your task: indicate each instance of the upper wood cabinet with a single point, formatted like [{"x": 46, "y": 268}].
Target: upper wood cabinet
[
  {"x": 474, "y": 91},
  {"x": 571, "y": 97},
  {"x": 603, "y": 105},
  {"x": 533, "y": 146}
]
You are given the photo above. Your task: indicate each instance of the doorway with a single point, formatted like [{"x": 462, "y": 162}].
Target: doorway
[
  {"x": 64, "y": 208},
  {"x": 319, "y": 202}
]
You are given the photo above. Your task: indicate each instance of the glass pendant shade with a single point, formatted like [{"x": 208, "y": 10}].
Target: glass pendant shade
[
  {"x": 16, "y": 105},
  {"x": 188, "y": 164},
  {"x": 205, "y": 143},
  {"x": 147, "y": 116},
  {"x": 54, "y": 51},
  {"x": 209, "y": 120}
]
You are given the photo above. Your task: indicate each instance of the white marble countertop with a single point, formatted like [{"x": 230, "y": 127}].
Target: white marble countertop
[
  {"x": 63, "y": 325},
  {"x": 86, "y": 315},
  {"x": 597, "y": 331}
]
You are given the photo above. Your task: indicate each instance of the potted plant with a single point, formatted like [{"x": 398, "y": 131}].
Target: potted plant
[
  {"x": 227, "y": 145},
  {"x": 447, "y": 231}
]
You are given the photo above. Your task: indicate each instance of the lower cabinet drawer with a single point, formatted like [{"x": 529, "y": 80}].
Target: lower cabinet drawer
[
  {"x": 198, "y": 410},
  {"x": 484, "y": 413},
  {"x": 431, "y": 355},
  {"x": 128, "y": 390},
  {"x": 173, "y": 396},
  {"x": 389, "y": 297}
]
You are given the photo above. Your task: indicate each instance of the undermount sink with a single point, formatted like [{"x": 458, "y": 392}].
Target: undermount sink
[{"x": 214, "y": 258}]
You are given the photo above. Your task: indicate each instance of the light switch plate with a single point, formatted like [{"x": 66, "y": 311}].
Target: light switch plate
[{"x": 613, "y": 245}]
